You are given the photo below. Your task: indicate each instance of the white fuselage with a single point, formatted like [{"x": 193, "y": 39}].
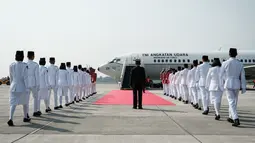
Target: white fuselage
[{"x": 155, "y": 62}]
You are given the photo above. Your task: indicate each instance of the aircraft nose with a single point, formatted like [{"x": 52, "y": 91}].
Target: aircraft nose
[{"x": 98, "y": 69}]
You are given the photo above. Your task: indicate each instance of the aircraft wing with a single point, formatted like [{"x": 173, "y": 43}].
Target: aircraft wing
[{"x": 249, "y": 72}]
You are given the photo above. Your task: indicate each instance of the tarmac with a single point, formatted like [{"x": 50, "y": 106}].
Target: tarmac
[{"x": 87, "y": 123}]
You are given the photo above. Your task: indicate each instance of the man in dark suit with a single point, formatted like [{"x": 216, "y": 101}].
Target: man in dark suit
[{"x": 137, "y": 82}]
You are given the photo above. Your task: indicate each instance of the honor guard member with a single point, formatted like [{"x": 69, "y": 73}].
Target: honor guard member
[
  {"x": 70, "y": 82},
  {"x": 33, "y": 82},
  {"x": 76, "y": 85},
  {"x": 191, "y": 99},
  {"x": 162, "y": 79},
  {"x": 62, "y": 83},
  {"x": 137, "y": 82},
  {"x": 52, "y": 75},
  {"x": 192, "y": 83},
  {"x": 18, "y": 86},
  {"x": 170, "y": 83},
  {"x": 44, "y": 87},
  {"x": 173, "y": 85},
  {"x": 167, "y": 81},
  {"x": 201, "y": 74},
  {"x": 183, "y": 82},
  {"x": 94, "y": 81},
  {"x": 177, "y": 83},
  {"x": 90, "y": 83},
  {"x": 213, "y": 84},
  {"x": 83, "y": 83},
  {"x": 80, "y": 82},
  {"x": 234, "y": 74}
]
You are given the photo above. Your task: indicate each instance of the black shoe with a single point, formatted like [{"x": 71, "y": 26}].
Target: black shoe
[
  {"x": 10, "y": 123},
  {"x": 167, "y": 94},
  {"x": 77, "y": 101},
  {"x": 217, "y": 117},
  {"x": 180, "y": 99},
  {"x": 67, "y": 104},
  {"x": 230, "y": 120},
  {"x": 236, "y": 123},
  {"x": 164, "y": 93},
  {"x": 199, "y": 108},
  {"x": 175, "y": 98},
  {"x": 205, "y": 112},
  {"x": 186, "y": 102},
  {"x": 60, "y": 106},
  {"x": 83, "y": 98},
  {"x": 28, "y": 116},
  {"x": 39, "y": 113},
  {"x": 140, "y": 107},
  {"x": 26, "y": 120},
  {"x": 134, "y": 107},
  {"x": 80, "y": 100},
  {"x": 73, "y": 102},
  {"x": 56, "y": 108},
  {"x": 47, "y": 110},
  {"x": 36, "y": 114},
  {"x": 191, "y": 103}
]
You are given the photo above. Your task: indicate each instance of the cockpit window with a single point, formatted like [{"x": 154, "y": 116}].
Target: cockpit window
[{"x": 115, "y": 60}]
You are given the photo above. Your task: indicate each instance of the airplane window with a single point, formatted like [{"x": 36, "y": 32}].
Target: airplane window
[
  {"x": 179, "y": 61},
  {"x": 170, "y": 60},
  {"x": 224, "y": 60},
  {"x": 175, "y": 61},
  {"x": 155, "y": 61},
  {"x": 253, "y": 60},
  {"x": 107, "y": 68},
  {"x": 183, "y": 60},
  {"x": 159, "y": 61},
  {"x": 249, "y": 60},
  {"x": 211, "y": 60},
  {"x": 241, "y": 60},
  {"x": 162, "y": 61},
  {"x": 188, "y": 61},
  {"x": 245, "y": 61},
  {"x": 166, "y": 60}
]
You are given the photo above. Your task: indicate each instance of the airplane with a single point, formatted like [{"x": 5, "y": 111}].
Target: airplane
[{"x": 155, "y": 62}]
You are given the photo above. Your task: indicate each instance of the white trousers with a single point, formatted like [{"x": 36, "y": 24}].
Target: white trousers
[
  {"x": 76, "y": 92},
  {"x": 94, "y": 87},
  {"x": 36, "y": 99},
  {"x": 191, "y": 99},
  {"x": 177, "y": 90},
  {"x": 180, "y": 91},
  {"x": 205, "y": 97},
  {"x": 185, "y": 92},
  {"x": 71, "y": 94},
  {"x": 167, "y": 89},
  {"x": 164, "y": 88},
  {"x": 12, "y": 110},
  {"x": 63, "y": 91},
  {"x": 232, "y": 96},
  {"x": 217, "y": 96},
  {"x": 55, "y": 91},
  {"x": 194, "y": 94}
]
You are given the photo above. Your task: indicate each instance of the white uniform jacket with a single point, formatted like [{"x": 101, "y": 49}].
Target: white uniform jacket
[
  {"x": 201, "y": 73},
  {"x": 233, "y": 73},
  {"x": 213, "y": 80}
]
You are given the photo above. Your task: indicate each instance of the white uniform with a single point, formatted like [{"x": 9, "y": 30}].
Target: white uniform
[
  {"x": 70, "y": 84},
  {"x": 52, "y": 76},
  {"x": 33, "y": 83},
  {"x": 76, "y": 85},
  {"x": 215, "y": 88},
  {"x": 43, "y": 93},
  {"x": 183, "y": 82},
  {"x": 170, "y": 92},
  {"x": 201, "y": 74},
  {"x": 177, "y": 84},
  {"x": 62, "y": 83},
  {"x": 192, "y": 84},
  {"x": 83, "y": 84},
  {"x": 173, "y": 86},
  {"x": 87, "y": 84},
  {"x": 18, "y": 87},
  {"x": 80, "y": 83},
  {"x": 233, "y": 72}
]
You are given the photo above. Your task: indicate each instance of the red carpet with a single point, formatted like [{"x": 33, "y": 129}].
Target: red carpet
[{"x": 125, "y": 97}]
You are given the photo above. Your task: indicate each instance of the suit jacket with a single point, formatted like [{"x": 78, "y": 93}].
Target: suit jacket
[{"x": 137, "y": 77}]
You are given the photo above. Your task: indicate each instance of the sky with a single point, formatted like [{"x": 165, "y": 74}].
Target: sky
[{"x": 93, "y": 32}]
